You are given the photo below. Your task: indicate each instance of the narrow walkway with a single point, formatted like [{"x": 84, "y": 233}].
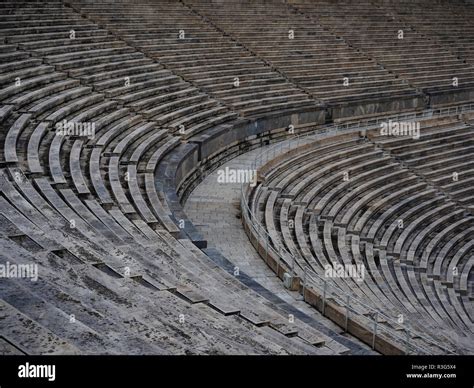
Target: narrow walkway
[{"x": 213, "y": 207}]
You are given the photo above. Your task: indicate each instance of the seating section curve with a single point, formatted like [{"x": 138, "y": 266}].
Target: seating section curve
[
  {"x": 112, "y": 112},
  {"x": 79, "y": 201},
  {"x": 356, "y": 200}
]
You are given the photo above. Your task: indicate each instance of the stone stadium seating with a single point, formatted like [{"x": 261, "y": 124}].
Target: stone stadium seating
[
  {"x": 399, "y": 46},
  {"x": 202, "y": 55},
  {"x": 447, "y": 22},
  {"x": 355, "y": 220},
  {"x": 314, "y": 58},
  {"x": 169, "y": 91},
  {"x": 442, "y": 156}
]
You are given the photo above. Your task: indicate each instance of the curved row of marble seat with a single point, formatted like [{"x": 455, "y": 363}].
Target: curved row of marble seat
[{"x": 343, "y": 200}]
